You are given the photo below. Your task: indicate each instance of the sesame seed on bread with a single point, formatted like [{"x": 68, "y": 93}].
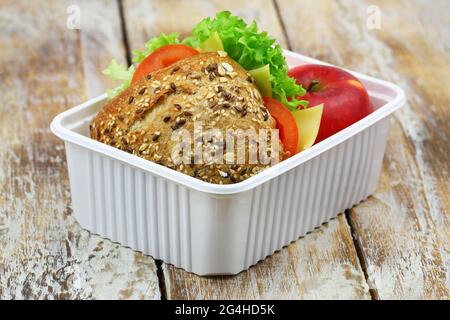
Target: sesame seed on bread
[{"x": 208, "y": 88}]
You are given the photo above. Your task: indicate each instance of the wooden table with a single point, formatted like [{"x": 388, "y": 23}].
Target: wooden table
[{"x": 394, "y": 245}]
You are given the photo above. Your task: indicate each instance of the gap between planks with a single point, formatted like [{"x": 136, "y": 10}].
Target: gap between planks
[
  {"x": 357, "y": 246},
  {"x": 282, "y": 24},
  {"x": 162, "y": 279},
  {"x": 360, "y": 254},
  {"x": 123, "y": 29},
  {"x": 402, "y": 228},
  {"x": 43, "y": 251}
]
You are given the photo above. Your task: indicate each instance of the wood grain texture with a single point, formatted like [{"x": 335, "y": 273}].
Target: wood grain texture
[
  {"x": 322, "y": 265},
  {"x": 145, "y": 19},
  {"x": 46, "y": 68},
  {"x": 404, "y": 230}
]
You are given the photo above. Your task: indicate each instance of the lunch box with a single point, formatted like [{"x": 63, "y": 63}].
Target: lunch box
[{"x": 212, "y": 229}]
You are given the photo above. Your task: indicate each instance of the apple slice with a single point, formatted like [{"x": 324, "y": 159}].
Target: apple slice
[
  {"x": 308, "y": 124},
  {"x": 262, "y": 79},
  {"x": 213, "y": 43}
]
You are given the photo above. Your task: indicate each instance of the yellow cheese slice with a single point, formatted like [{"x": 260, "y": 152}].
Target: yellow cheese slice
[
  {"x": 262, "y": 79},
  {"x": 308, "y": 124},
  {"x": 213, "y": 43}
]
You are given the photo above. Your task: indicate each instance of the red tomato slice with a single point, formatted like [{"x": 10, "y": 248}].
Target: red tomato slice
[
  {"x": 286, "y": 124},
  {"x": 161, "y": 58}
]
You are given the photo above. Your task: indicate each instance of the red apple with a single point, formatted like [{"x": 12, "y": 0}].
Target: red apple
[{"x": 344, "y": 97}]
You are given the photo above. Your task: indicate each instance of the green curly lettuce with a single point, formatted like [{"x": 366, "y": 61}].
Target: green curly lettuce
[
  {"x": 243, "y": 43},
  {"x": 153, "y": 44},
  {"x": 251, "y": 49},
  {"x": 118, "y": 72}
]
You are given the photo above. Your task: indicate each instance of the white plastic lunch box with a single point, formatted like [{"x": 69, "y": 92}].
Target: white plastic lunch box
[{"x": 222, "y": 229}]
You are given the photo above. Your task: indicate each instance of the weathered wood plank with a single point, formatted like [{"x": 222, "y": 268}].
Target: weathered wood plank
[
  {"x": 46, "y": 68},
  {"x": 403, "y": 231},
  {"x": 321, "y": 265},
  {"x": 145, "y": 19}
]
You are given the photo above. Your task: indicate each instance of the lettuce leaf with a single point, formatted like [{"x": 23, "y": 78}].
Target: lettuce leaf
[
  {"x": 153, "y": 44},
  {"x": 251, "y": 49},
  {"x": 118, "y": 72},
  {"x": 244, "y": 43}
]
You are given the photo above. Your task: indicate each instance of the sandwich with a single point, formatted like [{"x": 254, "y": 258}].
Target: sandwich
[{"x": 189, "y": 105}]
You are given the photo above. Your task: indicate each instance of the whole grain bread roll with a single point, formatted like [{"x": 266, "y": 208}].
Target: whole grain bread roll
[{"x": 208, "y": 89}]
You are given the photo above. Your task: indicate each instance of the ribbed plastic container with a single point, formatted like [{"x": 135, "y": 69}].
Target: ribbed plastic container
[{"x": 222, "y": 229}]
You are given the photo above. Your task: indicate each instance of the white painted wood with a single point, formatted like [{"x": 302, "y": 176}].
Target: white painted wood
[
  {"x": 46, "y": 68},
  {"x": 403, "y": 231},
  {"x": 275, "y": 277}
]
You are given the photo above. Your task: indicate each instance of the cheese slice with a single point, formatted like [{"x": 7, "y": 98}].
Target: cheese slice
[
  {"x": 262, "y": 79},
  {"x": 213, "y": 43},
  {"x": 308, "y": 124}
]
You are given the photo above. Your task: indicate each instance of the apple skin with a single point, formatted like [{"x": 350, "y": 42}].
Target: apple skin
[{"x": 344, "y": 97}]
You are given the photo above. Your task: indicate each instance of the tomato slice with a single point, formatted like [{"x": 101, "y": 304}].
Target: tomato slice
[
  {"x": 286, "y": 124},
  {"x": 161, "y": 58}
]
